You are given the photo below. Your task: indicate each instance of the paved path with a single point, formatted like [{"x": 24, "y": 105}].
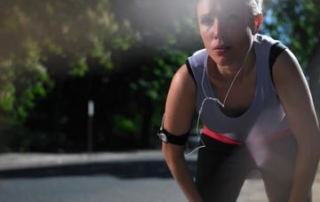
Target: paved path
[{"x": 147, "y": 163}]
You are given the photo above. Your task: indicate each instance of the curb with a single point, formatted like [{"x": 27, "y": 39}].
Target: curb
[{"x": 120, "y": 164}]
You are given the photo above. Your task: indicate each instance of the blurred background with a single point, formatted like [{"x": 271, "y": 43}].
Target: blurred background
[{"x": 79, "y": 76}]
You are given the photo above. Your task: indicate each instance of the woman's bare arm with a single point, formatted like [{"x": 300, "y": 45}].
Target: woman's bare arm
[
  {"x": 296, "y": 98},
  {"x": 179, "y": 110}
]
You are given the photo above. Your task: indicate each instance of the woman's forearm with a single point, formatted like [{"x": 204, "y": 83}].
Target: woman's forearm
[
  {"x": 179, "y": 169},
  {"x": 305, "y": 171}
]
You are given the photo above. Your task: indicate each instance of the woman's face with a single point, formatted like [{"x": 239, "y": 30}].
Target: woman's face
[{"x": 225, "y": 30}]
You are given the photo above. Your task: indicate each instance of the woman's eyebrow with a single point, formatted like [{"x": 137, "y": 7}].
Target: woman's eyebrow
[
  {"x": 210, "y": 13},
  {"x": 205, "y": 15}
]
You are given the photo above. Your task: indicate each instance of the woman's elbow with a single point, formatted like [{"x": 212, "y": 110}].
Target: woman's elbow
[{"x": 171, "y": 152}]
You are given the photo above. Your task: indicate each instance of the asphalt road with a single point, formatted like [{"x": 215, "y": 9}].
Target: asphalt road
[
  {"x": 125, "y": 181},
  {"x": 116, "y": 181},
  {"x": 122, "y": 177},
  {"x": 102, "y": 188},
  {"x": 89, "y": 189}
]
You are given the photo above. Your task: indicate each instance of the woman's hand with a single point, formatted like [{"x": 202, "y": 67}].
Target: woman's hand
[{"x": 178, "y": 166}]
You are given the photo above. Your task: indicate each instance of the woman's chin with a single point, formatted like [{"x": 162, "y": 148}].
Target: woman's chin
[{"x": 222, "y": 61}]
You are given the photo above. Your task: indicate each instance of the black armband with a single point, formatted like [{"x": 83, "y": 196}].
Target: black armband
[{"x": 167, "y": 137}]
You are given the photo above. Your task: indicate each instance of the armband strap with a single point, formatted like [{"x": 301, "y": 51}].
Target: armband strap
[{"x": 167, "y": 137}]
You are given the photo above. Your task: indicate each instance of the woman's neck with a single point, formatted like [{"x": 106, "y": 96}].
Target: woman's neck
[{"x": 227, "y": 73}]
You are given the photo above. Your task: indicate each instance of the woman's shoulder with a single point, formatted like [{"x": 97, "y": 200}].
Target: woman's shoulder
[
  {"x": 199, "y": 52},
  {"x": 182, "y": 76},
  {"x": 268, "y": 47},
  {"x": 198, "y": 58},
  {"x": 262, "y": 39},
  {"x": 182, "y": 79}
]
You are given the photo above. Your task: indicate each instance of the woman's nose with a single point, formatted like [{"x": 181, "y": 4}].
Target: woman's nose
[{"x": 218, "y": 29}]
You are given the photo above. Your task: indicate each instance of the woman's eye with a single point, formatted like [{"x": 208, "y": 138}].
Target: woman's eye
[{"x": 207, "y": 21}]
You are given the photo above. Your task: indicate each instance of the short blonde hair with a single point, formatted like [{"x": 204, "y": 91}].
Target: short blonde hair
[{"x": 254, "y": 6}]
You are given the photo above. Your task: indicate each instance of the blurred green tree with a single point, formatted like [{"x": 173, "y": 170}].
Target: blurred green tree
[
  {"x": 35, "y": 34},
  {"x": 297, "y": 24},
  {"x": 169, "y": 35},
  {"x": 32, "y": 30}
]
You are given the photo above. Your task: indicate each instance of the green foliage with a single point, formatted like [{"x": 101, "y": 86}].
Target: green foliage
[
  {"x": 123, "y": 124},
  {"x": 32, "y": 31},
  {"x": 152, "y": 87},
  {"x": 7, "y": 96},
  {"x": 159, "y": 73},
  {"x": 168, "y": 39},
  {"x": 296, "y": 23}
]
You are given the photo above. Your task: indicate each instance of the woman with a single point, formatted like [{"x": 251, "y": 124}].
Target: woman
[{"x": 255, "y": 105}]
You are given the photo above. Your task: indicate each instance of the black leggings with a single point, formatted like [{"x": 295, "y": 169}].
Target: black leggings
[{"x": 222, "y": 168}]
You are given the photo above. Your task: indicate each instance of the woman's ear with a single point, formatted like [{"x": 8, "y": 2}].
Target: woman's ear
[{"x": 257, "y": 23}]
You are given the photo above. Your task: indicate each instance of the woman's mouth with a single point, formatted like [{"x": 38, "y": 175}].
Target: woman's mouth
[{"x": 221, "y": 50}]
